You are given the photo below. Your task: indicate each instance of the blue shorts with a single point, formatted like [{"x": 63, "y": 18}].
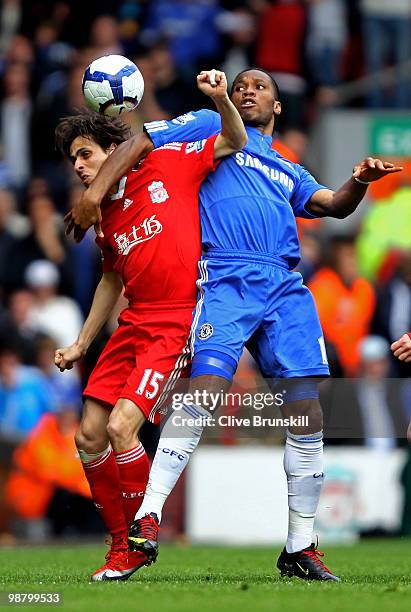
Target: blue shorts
[{"x": 253, "y": 300}]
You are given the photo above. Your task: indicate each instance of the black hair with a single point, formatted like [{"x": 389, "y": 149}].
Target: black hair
[
  {"x": 105, "y": 131},
  {"x": 274, "y": 83}
]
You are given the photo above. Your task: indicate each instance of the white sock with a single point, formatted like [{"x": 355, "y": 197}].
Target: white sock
[
  {"x": 303, "y": 464},
  {"x": 179, "y": 438}
]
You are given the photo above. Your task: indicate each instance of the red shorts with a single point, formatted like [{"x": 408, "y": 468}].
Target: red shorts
[{"x": 144, "y": 358}]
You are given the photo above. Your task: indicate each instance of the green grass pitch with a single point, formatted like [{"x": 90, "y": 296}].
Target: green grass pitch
[{"x": 376, "y": 576}]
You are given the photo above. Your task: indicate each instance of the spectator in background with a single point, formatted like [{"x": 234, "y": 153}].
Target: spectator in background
[
  {"x": 47, "y": 481},
  {"x": 239, "y": 28},
  {"x": 104, "y": 38},
  {"x": 54, "y": 315},
  {"x": 387, "y": 39},
  {"x": 393, "y": 311},
  {"x": 369, "y": 410},
  {"x": 345, "y": 302},
  {"x": 86, "y": 256},
  {"x": 166, "y": 93},
  {"x": 24, "y": 395},
  {"x": 19, "y": 51},
  {"x": 310, "y": 249},
  {"x": 57, "y": 97},
  {"x": 10, "y": 19},
  {"x": 190, "y": 27},
  {"x": 325, "y": 42},
  {"x": 52, "y": 54},
  {"x": 65, "y": 387},
  {"x": 45, "y": 240},
  {"x": 279, "y": 50},
  {"x": 15, "y": 327},
  {"x": 15, "y": 118},
  {"x": 6, "y": 235},
  {"x": 385, "y": 228}
]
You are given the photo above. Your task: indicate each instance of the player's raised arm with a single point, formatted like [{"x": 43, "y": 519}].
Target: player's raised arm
[
  {"x": 341, "y": 203},
  {"x": 233, "y": 137},
  {"x": 86, "y": 211}
]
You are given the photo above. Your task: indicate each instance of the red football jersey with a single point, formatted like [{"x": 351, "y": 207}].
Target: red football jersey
[{"x": 151, "y": 225}]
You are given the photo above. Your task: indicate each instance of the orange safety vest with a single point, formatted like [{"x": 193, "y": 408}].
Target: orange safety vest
[
  {"x": 47, "y": 459},
  {"x": 345, "y": 314}
]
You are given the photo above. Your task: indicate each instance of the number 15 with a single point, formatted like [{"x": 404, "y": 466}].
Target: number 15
[{"x": 153, "y": 382}]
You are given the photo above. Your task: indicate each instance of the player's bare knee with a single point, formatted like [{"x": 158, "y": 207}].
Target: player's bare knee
[
  {"x": 88, "y": 442},
  {"x": 209, "y": 390},
  {"x": 117, "y": 430},
  {"x": 124, "y": 424},
  {"x": 311, "y": 413}
]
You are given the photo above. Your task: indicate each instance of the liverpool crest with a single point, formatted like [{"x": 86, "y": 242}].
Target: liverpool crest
[{"x": 158, "y": 193}]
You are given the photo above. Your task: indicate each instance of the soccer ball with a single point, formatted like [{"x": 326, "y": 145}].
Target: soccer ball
[{"x": 112, "y": 84}]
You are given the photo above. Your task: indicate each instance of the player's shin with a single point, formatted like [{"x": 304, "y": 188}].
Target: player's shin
[
  {"x": 179, "y": 438},
  {"x": 133, "y": 466},
  {"x": 102, "y": 475},
  {"x": 303, "y": 465}
]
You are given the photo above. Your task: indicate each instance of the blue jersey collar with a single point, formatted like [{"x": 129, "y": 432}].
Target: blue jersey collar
[{"x": 253, "y": 133}]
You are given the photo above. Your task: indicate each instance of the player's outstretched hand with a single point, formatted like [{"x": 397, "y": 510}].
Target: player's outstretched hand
[
  {"x": 402, "y": 348},
  {"x": 370, "y": 169},
  {"x": 64, "y": 358},
  {"x": 212, "y": 83},
  {"x": 86, "y": 213}
]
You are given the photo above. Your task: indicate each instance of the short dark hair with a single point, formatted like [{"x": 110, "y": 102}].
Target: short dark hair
[
  {"x": 274, "y": 83},
  {"x": 105, "y": 131}
]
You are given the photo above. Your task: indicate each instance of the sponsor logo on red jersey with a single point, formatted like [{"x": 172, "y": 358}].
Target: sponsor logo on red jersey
[{"x": 140, "y": 233}]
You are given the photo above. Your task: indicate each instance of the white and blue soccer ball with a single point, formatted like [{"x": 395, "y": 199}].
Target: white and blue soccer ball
[{"x": 112, "y": 85}]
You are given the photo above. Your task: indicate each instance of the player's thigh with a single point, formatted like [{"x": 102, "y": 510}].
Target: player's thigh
[
  {"x": 208, "y": 391},
  {"x": 290, "y": 342},
  {"x": 91, "y": 435},
  {"x": 115, "y": 363},
  {"x": 162, "y": 358},
  {"x": 230, "y": 306}
]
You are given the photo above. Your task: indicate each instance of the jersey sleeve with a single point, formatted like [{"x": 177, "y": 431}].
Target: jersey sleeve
[
  {"x": 199, "y": 158},
  {"x": 304, "y": 189},
  {"x": 190, "y": 127}
]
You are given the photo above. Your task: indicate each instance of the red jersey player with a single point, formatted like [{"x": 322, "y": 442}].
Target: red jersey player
[{"x": 151, "y": 246}]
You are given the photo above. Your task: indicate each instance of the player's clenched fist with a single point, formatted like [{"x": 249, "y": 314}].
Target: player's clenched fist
[
  {"x": 402, "y": 348},
  {"x": 212, "y": 83},
  {"x": 64, "y": 358}
]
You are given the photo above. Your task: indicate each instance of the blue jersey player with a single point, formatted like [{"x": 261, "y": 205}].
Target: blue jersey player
[{"x": 248, "y": 296}]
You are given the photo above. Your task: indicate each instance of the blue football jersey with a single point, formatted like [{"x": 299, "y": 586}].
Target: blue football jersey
[{"x": 251, "y": 200}]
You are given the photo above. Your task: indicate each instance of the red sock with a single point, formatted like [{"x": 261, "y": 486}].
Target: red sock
[
  {"x": 103, "y": 478},
  {"x": 134, "y": 468}
]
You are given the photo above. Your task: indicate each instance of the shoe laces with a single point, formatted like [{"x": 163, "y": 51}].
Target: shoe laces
[
  {"x": 313, "y": 554},
  {"x": 116, "y": 551},
  {"x": 147, "y": 527}
]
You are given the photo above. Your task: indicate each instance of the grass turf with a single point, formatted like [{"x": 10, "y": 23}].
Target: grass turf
[{"x": 376, "y": 576}]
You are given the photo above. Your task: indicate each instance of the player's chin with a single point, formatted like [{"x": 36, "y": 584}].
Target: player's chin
[
  {"x": 87, "y": 180},
  {"x": 249, "y": 115}
]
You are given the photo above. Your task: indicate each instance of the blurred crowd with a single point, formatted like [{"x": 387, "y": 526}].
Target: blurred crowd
[{"x": 314, "y": 49}]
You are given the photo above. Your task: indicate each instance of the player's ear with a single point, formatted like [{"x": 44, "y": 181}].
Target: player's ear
[
  {"x": 277, "y": 107},
  {"x": 111, "y": 148}
]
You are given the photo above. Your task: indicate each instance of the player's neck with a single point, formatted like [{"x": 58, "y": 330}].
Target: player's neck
[{"x": 266, "y": 130}]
